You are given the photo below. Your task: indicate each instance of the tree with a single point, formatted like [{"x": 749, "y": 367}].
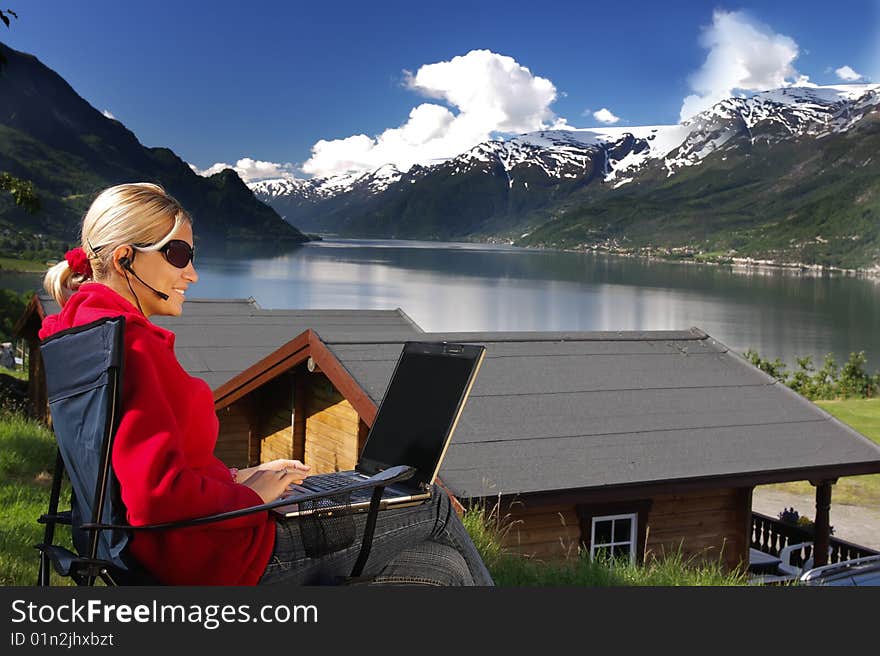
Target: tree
[
  {"x": 4, "y": 16},
  {"x": 12, "y": 306},
  {"x": 21, "y": 190}
]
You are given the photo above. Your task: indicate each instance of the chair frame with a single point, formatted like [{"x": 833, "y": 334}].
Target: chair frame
[{"x": 86, "y": 569}]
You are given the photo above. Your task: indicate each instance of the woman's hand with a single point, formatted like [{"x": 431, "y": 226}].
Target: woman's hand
[
  {"x": 272, "y": 483},
  {"x": 292, "y": 466}
]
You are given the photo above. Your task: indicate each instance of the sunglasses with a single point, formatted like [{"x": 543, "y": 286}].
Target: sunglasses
[{"x": 177, "y": 252}]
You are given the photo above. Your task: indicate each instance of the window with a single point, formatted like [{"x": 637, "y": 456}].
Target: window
[{"x": 614, "y": 536}]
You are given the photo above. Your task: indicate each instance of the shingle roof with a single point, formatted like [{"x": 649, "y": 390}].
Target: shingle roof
[
  {"x": 215, "y": 344},
  {"x": 556, "y": 411},
  {"x": 216, "y": 339}
]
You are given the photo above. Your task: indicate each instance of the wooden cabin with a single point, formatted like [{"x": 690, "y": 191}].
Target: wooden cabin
[{"x": 629, "y": 443}]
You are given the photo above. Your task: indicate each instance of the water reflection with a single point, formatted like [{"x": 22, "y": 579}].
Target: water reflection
[{"x": 463, "y": 287}]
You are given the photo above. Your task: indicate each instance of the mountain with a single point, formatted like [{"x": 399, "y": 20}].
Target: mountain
[
  {"x": 786, "y": 175},
  {"x": 323, "y": 203},
  {"x": 70, "y": 151}
]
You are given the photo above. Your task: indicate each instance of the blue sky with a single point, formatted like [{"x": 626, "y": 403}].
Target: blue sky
[{"x": 293, "y": 84}]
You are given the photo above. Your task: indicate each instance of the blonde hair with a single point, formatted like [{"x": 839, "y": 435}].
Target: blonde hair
[{"x": 135, "y": 213}]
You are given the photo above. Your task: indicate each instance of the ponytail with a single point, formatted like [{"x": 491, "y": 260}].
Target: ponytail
[{"x": 61, "y": 281}]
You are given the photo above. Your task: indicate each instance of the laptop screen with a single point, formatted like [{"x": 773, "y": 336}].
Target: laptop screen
[{"x": 420, "y": 407}]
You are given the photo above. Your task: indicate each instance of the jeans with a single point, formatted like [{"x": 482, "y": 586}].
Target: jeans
[{"x": 423, "y": 545}]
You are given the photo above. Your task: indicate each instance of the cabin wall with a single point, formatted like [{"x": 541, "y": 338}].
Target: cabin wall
[
  {"x": 542, "y": 531},
  {"x": 709, "y": 525},
  {"x": 276, "y": 441},
  {"x": 234, "y": 436},
  {"x": 331, "y": 428},
  {"x": 37, "y": 393},
  {"x": 297, "y": 416},
  {"x": 271, "y": 409}
]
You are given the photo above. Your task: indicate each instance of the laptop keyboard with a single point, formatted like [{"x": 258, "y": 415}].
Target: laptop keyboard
[{"x": 328, "y": 482}]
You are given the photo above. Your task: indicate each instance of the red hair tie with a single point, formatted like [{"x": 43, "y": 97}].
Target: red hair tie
[{"x": 78, "y": 262}]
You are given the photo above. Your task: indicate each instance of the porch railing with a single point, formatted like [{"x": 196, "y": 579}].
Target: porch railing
[{"x": 773, "y": 535}]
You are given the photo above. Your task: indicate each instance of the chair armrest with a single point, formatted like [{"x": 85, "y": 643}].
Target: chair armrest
[
  {"x": 58, "y": 518},
  {"x": 382, "y": 479},
  {"x": 785, "y": 558}
]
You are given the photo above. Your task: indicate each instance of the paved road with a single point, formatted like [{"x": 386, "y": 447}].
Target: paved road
[{"x": 856, "y": 524}]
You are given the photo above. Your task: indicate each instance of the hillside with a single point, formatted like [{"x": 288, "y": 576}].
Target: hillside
[
  {"x": 813, "y": 201},
  {"x": 70, "y": 151}
]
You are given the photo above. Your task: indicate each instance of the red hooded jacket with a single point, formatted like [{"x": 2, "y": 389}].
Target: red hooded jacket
[{"x": 164, "y": 457}]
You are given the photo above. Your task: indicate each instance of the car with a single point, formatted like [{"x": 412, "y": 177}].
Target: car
[{"x": 856, "y": 572}]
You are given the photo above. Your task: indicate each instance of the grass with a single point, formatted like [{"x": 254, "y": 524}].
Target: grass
[
  {"x": 27, "y": 454},
  {"x": 24, "y": 266},
  {"x": 21, "y": 374},
  {"x": 864, "y": 416}
]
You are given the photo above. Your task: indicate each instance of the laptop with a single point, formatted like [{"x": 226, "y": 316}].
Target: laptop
[{"x": 414, "y": 425}]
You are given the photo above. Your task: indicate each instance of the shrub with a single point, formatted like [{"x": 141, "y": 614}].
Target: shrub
[{"x": 829, "y": 382}]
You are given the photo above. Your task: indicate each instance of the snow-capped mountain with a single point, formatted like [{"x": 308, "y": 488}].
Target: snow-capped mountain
[
  {"x": 774, "y": 116},
  {"x": 317, "y": 189},
  {"x": 498, "y": 182}
]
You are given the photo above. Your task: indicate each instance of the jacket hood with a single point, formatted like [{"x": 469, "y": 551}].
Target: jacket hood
[{"x": 93, "y": 301}]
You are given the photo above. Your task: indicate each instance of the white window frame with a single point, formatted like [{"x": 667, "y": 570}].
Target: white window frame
[{"x": 633, "y": 532}]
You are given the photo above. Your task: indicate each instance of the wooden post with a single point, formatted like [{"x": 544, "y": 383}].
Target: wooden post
[
  {"x": 822, "y": 527},
  {"x": 249, "y": 405},
  {"x": 300, "y": 390}
]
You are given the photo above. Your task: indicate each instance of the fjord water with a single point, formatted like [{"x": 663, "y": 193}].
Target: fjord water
[{"x": 478, "y": 287}]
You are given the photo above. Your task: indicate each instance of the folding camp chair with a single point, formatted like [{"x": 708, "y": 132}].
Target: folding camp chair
[{"x": 84, "y": 368}]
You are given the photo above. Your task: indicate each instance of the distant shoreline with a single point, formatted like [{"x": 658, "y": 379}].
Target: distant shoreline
[{"x": 739, "y": 264}]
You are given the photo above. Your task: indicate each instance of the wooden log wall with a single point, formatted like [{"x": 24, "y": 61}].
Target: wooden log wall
[
  {"x": 37, "y": 384},
  {"x": 276, "y": 439},
  {"x": 272, "y": 409},
  {"x": 711, "y": 526},
  {"x": 232, "y": 440},
  {"x": 257, "y": 428},
  {"x": 331, "y": 428},
  {"x": 545, "y": 532}
]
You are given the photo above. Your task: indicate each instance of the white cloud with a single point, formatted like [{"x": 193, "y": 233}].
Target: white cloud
[
  {"x": 604, "y": 115},
  {"x": 250, "y": 170},
  {"x": 744, "y": 55},
  {"x": 488, "y": 93},
  {"x": 107, "y": 113},
  {"x": 848, "y": 74}
]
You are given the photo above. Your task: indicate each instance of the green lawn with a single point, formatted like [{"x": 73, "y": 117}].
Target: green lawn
[
  {"x": 27, "y": 454},
  {"x": 26, "y": 266},
  {"x": 21, "y": 374},
  {"x": 861, "y": 414},
  {"x": 864, "y": 416}
]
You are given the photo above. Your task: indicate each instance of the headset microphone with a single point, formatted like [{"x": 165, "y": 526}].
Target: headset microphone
[{"x": 126, "y": 263}]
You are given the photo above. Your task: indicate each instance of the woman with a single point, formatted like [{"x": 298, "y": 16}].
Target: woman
[{"x": 136, "y": 260}]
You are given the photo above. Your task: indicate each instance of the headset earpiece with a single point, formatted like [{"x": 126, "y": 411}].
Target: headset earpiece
[{"x": 125, "y": 263}]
